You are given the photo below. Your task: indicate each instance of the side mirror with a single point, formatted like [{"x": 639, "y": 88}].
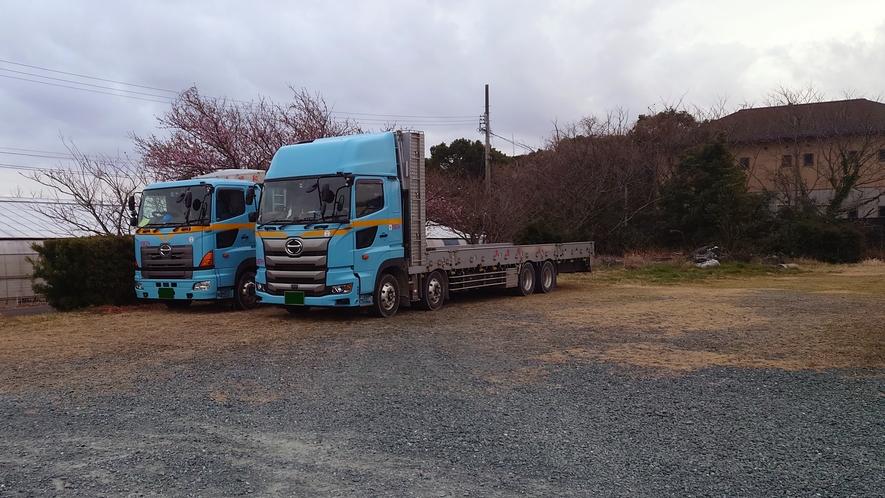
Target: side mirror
[
  {"x": 250, "y": 195},
  {"x": 326, "y": 194},
  {"x": 196, "y": 204},
  {"x": 339, "y": 205},
  {"x": 133, "y": 221},
  {"x": 188, "y": 199},
  {"x": 131, "y": 202}
]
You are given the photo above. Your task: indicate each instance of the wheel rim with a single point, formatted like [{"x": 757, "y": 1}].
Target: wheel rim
[
  {"x": 529, "y": 279},
  {"x": 434, "y": 290},
  {"x": 387, "y": 295},
  {"x": 547, "y": 277},
  {"x": 247, "y": 291}
]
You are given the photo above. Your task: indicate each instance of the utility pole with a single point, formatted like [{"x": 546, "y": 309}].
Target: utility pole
[{"x": 488, "y": 151}]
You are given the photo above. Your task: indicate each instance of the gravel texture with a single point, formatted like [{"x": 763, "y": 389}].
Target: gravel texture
[
  {"x": 412, "y": 419},
  {"x": 597, "y": 389}
]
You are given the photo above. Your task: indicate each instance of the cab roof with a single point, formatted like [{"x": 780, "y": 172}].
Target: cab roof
[{"x": 372, "y": 154}]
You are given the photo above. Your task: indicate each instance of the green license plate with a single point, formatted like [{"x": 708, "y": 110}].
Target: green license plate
[
  {"x": 293, "y": 297},
  {"x": 166, "y": 293}
]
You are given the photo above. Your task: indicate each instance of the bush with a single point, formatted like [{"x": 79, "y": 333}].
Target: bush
[
  {"x": 827, "y": 239},
  {"x": 88, "y": 271}
]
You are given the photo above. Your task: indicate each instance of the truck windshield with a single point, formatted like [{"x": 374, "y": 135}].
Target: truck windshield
[
  {"x": 167, "y": 206},
  {"x": 305, "y": 201}
]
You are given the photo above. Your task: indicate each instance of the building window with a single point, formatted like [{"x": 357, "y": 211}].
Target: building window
[
  {"x": 786, "y": 161},
  {"x": 808, "y": 159},
  {"x": 744, "y": 162},
  {"x": 881, "y": 211},
  {"x": 852, "y": 213},
  {"x": 882, "y": 155}
]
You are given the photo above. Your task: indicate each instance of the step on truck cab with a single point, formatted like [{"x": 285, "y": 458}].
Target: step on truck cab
[
  {"x": 342, "y": 224},
  {"x": 195, "y": 239}
]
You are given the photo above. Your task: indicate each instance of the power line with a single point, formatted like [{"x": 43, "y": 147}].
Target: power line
[
  {"x": 471, "y": 117},
  {"x": 518, "y": 144},
  {"x": 168, "y": 100},
  {"x": 88, "y": 77},
  {"x": 78, "y": 83}
]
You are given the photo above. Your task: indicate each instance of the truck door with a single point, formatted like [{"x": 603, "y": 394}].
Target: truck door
[
  {"x": 374, "y": 231},
  {"x": 232, "y": 231}
]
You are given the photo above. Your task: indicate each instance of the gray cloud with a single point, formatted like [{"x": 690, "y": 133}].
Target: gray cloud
[{"x": 544, "y": 62}]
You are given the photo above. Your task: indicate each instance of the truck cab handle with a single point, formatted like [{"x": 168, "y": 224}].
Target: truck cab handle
[{"x": 383, "y": 236}]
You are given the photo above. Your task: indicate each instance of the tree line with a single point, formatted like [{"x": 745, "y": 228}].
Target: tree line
[{"x": 665, "y": 180}]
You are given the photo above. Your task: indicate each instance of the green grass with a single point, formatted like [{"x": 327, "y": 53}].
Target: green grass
[{"x": 668, "y": 273}]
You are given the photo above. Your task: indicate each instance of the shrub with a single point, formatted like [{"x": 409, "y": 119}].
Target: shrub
[
  {"x": 88, "y": 271},
  {"x": 824, "y": 238}
]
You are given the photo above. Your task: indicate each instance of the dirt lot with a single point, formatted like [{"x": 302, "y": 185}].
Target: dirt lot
[
  {"x": 816, "y": 325},
  {"x": 822, "y": 317}
]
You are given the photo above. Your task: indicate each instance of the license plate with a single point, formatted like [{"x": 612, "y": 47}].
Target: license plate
[
  {"x": 293, "y": 297},
  {"x": 166, "y": 293}
]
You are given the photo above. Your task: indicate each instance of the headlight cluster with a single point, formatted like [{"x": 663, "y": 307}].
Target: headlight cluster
[
  {"x": 342, "y": 289},
  {"x": 204, "y": 285}
]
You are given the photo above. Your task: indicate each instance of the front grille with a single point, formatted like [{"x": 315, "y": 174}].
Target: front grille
[
  {"x": 305, "y": 272},
  {"x": 178, "y": 263}
]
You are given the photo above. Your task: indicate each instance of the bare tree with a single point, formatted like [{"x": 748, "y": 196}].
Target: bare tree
[
  {"x": 90, "y": 194},
  {"x": 206, "y": 134}
]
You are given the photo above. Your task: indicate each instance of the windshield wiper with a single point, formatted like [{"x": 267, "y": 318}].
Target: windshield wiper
[{"x": 277, "y": 222}]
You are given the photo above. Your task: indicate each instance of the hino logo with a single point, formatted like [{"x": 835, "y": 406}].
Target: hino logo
[
  {"x": 165, "y": 250},
  {"x": 294, "y": 247}
]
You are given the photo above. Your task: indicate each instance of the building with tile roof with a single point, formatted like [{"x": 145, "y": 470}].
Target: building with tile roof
[{"x": 813, "y": 151}]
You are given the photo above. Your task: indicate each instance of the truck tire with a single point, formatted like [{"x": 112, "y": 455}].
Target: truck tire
[
  {"x": 178, "y": 304},
  {"x": 546, "y": 277},
  {"x": 526, "y": 283},
  {"x": 385, "y": 302},
  {"x": 244, "y": 291},
  {"x": 434, "y": 291}
]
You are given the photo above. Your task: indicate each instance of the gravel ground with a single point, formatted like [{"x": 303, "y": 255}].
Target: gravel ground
[{"x": 406, "y": 407}]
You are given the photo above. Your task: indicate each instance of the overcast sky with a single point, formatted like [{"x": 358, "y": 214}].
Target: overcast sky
[{"x": 545, "y": 62}]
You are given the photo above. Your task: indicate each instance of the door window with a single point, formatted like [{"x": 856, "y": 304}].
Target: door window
[{"x": 369, "y": 197}]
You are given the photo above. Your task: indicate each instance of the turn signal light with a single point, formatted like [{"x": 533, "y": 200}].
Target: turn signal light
[{"x": 208, "y": 260}]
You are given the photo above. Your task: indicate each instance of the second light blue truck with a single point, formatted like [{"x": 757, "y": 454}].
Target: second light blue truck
[{"x": 342, "y": 222}]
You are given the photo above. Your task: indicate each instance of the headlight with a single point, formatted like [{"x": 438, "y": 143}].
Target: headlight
[
  {"x": 139, "y": 286},
  {"x": 259, "y": 286},
  {"x": 204, "y": 285},
  {"x": 342, "y": 289}
]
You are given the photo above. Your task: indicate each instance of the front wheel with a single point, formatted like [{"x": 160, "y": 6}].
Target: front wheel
[
  {"x": 386, "y": 298},
  {"x": 244, "y": 291}
]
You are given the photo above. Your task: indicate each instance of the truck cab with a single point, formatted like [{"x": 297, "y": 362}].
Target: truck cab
[
  {"x": 330, "y": 220},
  {"x": 195, "y": 240}
]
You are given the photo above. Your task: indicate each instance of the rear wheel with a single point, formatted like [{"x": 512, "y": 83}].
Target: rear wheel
[
  {"x": 546, "y": 276},
  {"x": 178, "y": 304},
  {"x": 244, "y": 291},
  {"x": 386, "y": 298},
  {"x": 526, "y": 283},
  {"x": 434, "y": 291}
]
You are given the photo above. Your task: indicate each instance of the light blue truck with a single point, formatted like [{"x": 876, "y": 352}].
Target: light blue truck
[
  {"x": 342, "y": 222},
  {"x": 195, "y": 239}
]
